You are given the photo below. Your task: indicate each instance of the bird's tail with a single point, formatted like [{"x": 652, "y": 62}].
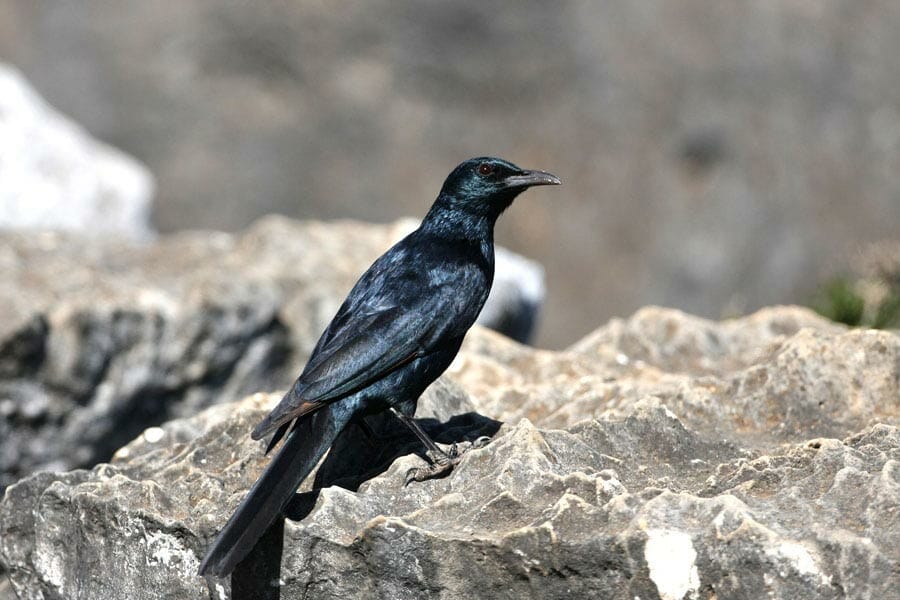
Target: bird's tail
[{"x": 305, "y": 445}]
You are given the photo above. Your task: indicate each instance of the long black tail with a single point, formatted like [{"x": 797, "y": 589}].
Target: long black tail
[{"x": 305, "y": 445}]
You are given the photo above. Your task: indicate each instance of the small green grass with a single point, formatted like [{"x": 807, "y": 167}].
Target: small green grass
[{"x": 839, "y": 300}]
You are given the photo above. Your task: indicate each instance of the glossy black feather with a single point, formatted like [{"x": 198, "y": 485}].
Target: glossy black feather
[
  {"x": 398, "y": 330},
  {"x": 394, "y": 314}
]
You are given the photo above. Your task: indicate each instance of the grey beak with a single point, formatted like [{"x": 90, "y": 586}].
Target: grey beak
[{"x": 532, "y": 178}]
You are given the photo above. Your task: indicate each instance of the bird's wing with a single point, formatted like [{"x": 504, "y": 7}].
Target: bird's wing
[
  {"x": 372, "y": 346},
  {"x": 359, "y": 347}
]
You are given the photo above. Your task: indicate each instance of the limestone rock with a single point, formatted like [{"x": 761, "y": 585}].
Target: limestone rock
[
  {"x": 662, "y": 457},
  {"x": 779, "y": 373}
]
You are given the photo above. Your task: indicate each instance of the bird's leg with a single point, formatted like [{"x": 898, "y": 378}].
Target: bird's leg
[
  {"x": 420, "y": 433},
  {"x": 441, "y": 462}
]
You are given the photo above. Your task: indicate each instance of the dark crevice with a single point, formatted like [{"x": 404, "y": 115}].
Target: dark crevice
[
  {"x": 23, "y": 353},
  {"x": 153, "y": 405},
  {"x": 48, "y": 407}
]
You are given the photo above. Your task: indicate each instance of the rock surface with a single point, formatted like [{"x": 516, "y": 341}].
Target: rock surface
[
  {"x": 100, "y": 339},
  {"x": 54, "y": 175},
  {"x": 663, "y": 456}
]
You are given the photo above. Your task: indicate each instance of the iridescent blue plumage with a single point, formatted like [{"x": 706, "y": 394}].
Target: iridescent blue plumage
[{"x": 398, "y": 330}]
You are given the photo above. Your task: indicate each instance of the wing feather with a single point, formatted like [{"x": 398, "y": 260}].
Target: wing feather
[
  {"x": 393, "y": 315},
  {"x": 375, "y": 345}
]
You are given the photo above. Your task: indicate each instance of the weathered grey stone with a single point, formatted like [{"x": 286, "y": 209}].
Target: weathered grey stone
[
  {"x": 100, "y": 339},
  {"x": 673, "y": 480},
  {"x": 787, "y": 367},
  {"x": 54, "y": 175}
]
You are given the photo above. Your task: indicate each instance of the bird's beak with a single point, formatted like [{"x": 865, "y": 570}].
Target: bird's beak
[{"x": 531, "y": 178}]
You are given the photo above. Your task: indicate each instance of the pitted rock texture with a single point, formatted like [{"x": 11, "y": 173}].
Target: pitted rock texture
[
  {"x": 648, "y": 461},
  {"x": 779, "y": 374}
]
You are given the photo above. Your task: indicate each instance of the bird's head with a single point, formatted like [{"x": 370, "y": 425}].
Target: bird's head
[{"x": 487, "y": 186}]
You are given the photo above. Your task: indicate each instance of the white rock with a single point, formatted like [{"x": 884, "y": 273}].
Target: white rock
[
  {"x": 53, "y": 175},
  {"x": 516, "y": 296}
]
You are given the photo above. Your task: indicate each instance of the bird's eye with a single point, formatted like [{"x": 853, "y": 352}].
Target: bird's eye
[{"x": 485, "y": 169}]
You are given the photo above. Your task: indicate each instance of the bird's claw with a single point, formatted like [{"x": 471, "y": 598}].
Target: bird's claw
[{"x": 442, "y": 463}]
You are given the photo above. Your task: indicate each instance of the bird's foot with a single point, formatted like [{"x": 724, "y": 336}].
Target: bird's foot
[
  {"x": 443, "y": 462},
  {"x": 439, "y": 467}
]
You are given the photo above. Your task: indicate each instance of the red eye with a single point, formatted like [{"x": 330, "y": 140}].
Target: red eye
[{"x": 485, "y": 169}]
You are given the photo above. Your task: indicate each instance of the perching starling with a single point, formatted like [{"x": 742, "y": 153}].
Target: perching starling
[{"x": 397, "y": 331}]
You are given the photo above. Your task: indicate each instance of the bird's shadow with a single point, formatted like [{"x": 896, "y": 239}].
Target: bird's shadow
[{"x": 258, "y": 574}]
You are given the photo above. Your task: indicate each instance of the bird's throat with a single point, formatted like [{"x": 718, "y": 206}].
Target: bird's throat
[{"x": 452, "y": 223}]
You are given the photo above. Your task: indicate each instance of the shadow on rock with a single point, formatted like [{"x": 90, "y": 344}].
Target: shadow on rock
[{"x": 386, "y": 440}]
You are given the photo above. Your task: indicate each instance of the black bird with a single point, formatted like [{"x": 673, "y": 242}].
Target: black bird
[{"x": 397, "y": 331}]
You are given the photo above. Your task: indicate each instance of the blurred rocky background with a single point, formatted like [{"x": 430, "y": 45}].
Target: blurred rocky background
[{"x": 717, "y": 157}]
